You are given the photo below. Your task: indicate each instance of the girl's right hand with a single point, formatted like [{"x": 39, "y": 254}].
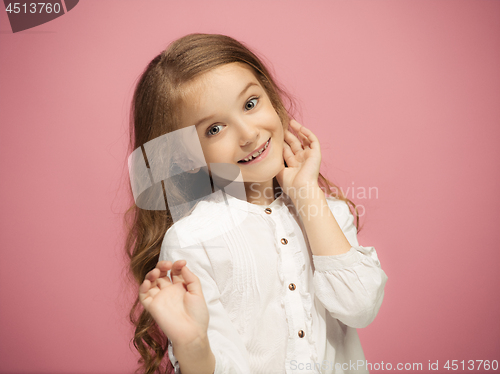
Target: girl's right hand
[{"x": 176, "y": 304}]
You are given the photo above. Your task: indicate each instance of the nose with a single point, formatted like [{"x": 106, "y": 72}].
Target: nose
[{"x": 248, "y": 133}]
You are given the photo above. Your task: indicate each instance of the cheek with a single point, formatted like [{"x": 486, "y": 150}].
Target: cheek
[
  {"x": 209, "y": 154},
  {"x": 280, "y": 132},
  {"x": 275, "y": 124},
  {"x": 219, "y": 152}
]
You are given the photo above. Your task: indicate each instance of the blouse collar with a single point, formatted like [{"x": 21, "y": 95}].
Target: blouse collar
[{"x": 281, "y": 202}]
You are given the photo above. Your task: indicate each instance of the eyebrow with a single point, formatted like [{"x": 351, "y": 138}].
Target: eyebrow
[
  {"x": 246, "y": 88},
  {"x": 239, "y": 96}
]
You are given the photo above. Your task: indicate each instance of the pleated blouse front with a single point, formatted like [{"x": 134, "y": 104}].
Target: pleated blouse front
[{"x": 274, "y": 307}]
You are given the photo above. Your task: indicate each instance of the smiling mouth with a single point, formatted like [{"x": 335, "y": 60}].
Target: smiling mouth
[{"x": 255, "y": 154}]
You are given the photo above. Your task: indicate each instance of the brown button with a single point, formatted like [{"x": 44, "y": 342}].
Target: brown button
[
  {"x": 268, "y": 210},
  {"x": 291, "y": 286},
  {"x": 301, "y": 334},
  {"x": 284, "y": 241}
]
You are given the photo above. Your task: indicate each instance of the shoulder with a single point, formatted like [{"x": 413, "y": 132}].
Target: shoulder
[
  {"x": 209, "y": 219},
  {"x": 181, "y": 239}
]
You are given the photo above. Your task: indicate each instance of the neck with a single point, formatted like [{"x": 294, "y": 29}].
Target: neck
[{"x": 262, "y": 193}]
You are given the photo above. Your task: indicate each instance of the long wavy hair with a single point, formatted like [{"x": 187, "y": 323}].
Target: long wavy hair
[{"x": 157, "y": 94}]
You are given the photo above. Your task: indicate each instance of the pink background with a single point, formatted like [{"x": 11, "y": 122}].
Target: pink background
[{"x": 404, "y": 96}]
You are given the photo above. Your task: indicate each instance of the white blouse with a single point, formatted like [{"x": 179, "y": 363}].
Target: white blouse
[{"x": 274, "y": 307}]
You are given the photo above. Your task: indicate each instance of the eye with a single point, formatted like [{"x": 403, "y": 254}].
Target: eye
[
  {"x": 250, "y": 104},
  {"x": 214, "y": 130}
]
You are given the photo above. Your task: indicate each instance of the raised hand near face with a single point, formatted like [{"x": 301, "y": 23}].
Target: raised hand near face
[{"x": 303, "y": 158}]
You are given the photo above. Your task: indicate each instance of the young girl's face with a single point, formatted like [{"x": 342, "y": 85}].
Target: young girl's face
[{"x": 235, "y": 119}]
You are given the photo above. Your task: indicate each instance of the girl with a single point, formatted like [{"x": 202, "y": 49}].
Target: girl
[{"x": 271, "y": 280}]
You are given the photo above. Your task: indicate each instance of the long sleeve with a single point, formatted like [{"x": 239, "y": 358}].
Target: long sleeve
[
  {"x": 351, "y": 285},
  {"x": 265, "y": 298},
  {"x": 225, "y": 342}
]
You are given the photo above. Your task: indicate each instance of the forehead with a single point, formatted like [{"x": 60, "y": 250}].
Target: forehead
[{"x": 217, "y": 85}]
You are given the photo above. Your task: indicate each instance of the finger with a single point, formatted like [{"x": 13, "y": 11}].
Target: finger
[
  {"x": 302, "y": 138},
  {"x": 153, "y": 275},
  {"x": 163, "y": 283},
  {"x": 301, "y": 135},
  {"x": 312, "y": 139},
  {"x": 164, "y": 267},
  {"x": 193, "y": 283},
  {"x": 288, "y": 156},
  {"x": 144, "y": 298},
  {"x": 293, "y": 142},
  {"x": 295, "y": 126},
  {"x": 302, "y": 132},
  {"x": 164, "y": 264},
  {"x": 176, "y": 271},
  {"x": 146, "y": 293},
  {"x": 146, "y": 290},
  {"x": 144, "y": 287}
]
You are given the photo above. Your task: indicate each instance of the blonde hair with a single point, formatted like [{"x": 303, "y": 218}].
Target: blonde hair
[{"x": 157, "y": 94}]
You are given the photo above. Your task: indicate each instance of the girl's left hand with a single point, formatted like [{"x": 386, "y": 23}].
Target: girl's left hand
[{"x": 303, "y": 160}]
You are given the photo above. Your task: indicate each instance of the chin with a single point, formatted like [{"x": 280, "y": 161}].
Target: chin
[
  {"x": 254, "y": 180},
  {"x": 263, "y": 178}
]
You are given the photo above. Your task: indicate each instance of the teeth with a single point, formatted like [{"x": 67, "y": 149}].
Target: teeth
[{"x": 256, "y": 154}]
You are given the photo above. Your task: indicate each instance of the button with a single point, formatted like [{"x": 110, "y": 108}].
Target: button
[
  {"x": 291, "y": 286},
  {"x": 301, "y": 334},
  {"x": 284, "y": 241},
  {"x": 268, "y": 210}
]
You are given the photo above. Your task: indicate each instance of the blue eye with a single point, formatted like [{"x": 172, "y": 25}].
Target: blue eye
[
  {"x": 250, "y": 104},
  {"x": 213, "y": 130}
]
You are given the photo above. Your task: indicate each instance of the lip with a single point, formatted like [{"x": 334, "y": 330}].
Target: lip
[{"x": 260, "y": 157}]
